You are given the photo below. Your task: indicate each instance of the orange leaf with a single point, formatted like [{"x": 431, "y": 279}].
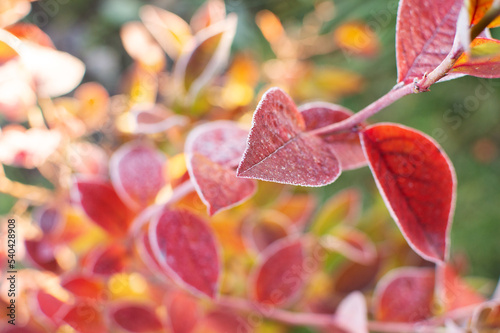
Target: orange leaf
[
  {"x": 478, "y": 8},
  {"x": 487, "y": 66},
  {"x": 356, "y": 38}
]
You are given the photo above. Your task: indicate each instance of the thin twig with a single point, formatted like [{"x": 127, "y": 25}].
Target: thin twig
[
  {"x": 329, "y": 320},
  {"x": 367, "y": 112}
]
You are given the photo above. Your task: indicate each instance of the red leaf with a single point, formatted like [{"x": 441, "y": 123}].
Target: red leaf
[
  {"x": 146, "y": 253},
  {"x": 136, "y": 318},
  {"x": 454, "y": 291},
  {"x": 219, "y": 188},
  {"x": 108, "y": 260},
  {"x": 280, "y": 275},
  {"x": 354, "y": 276},
  {"x": 183, "y": 310},
  {"x": 212, "y": 153},
  {"x": 137, "y": 173},
  {"x": 41, "y": 254},
  {"x": 424, "y": 35},
  {"x": 477, "y": 10},
  {"x": 345, "y": 145},
  {"x": 405, "y": 295},
  {"x": 487, "y": 66},
  {"x": 48, "y": 305},
  {"x": 185, "y": 247},
  {"x": 83, "y": 286},
  {"x": 279, "y": 150},
  {"x": 85, "y": 318},
  {"x": 352, "y": 313},
  {"x": 418, "y": 183},
  {"x": 100, "y": 202}
]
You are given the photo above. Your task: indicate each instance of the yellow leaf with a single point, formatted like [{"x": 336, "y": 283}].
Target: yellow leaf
[{"x": 356, "y": 38}]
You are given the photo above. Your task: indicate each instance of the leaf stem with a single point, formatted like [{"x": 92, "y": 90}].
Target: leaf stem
[
  {"x": 418, "y": 86},
  {"x": 440, "y": 71},
  {"x": 368, "y": 111},
  {"x": 329, "y": 321},
  {"x": 270, "y": 312}
]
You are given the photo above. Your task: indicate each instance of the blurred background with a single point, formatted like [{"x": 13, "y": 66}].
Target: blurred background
[{"x": 462, "y": 115}]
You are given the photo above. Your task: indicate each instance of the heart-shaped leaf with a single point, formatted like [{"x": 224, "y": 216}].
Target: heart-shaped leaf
[
  {"x": 212, "y": 153},
  {"x": 279, "y": 150},
  {"x": 425, "y": 33},
  {"x": 280, "y": 275},
  {"x": 418, "y": 183},
  {"x": 136, "y": 318},
  {"x": 185, "y": 247},
  {"x": 405, "y": 295},
  {"x": 136, "y": 171},
  {"x": 345, "y": 145},
  {"x": 485, "y": 63},
  {"x": 100, "y": 202},
  {"x": 205, "y": 56}
]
